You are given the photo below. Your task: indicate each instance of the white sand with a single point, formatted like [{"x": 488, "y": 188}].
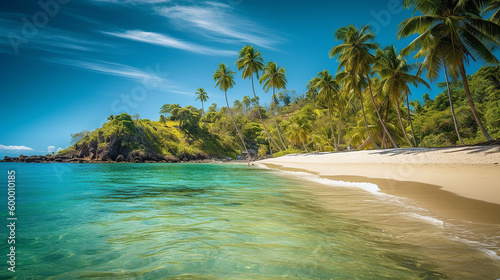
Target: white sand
[{"x": 472, "y": 172}]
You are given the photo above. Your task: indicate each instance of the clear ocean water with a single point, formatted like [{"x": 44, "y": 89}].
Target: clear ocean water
[{"x": 223, "y": 221}]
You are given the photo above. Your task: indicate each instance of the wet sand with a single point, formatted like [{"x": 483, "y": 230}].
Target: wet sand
[{"x": 461, "y": 184}]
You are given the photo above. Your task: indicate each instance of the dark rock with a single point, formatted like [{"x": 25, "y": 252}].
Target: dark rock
[
  {"x": 7, "y": 159},
  {"x": 83, "y": 151},
  {"x": 138, "y": 159},
  {"x": 119, "y": 158},
  {"x": 170, "y": 159},
  {"x": 89, "y": 157}
]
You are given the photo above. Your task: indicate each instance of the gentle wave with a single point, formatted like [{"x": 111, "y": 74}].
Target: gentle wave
[
  {"x": 401, "y": 201},
  {"x": 428, "y": 219},
  {"x": 369, "y": 187}
]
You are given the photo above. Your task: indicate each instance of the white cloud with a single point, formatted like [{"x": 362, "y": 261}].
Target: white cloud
[
  {"x": 51, "y": 149},
  {"x": 110, "y": 68},
  {"x": 219, "y": 22},
  {"x": 48, "y": 39},
  {"x": 168, "y": 41},
  {"x": 15, "y": 148},
  {"x": 150, "y": 76},
  {"x": 59, "y": 149}
]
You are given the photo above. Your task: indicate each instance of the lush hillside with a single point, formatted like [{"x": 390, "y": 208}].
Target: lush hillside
[
  {"x": 303, "y": 122},
  {"x": 124, "y": 139}
]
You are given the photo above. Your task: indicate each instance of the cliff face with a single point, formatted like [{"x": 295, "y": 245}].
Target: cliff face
[{"x": 125, "y": 140}]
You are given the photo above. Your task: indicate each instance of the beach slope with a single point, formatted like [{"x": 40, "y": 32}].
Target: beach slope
[{"x": 457, "y": 183}]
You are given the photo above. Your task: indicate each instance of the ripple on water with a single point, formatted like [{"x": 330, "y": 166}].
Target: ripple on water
[{"x": 209, "y": 221}]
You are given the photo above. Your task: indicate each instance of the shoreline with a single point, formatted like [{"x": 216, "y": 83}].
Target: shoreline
[
  {"x": 69, "y": 159},
  {"x": 462, "y": 187}
]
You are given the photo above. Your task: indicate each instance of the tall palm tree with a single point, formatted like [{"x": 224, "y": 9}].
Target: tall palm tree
[
  {"x": 328, "y": 93},
  {"x": 394, "y": 71},
  {"x": 224, "y": 79},
  {"x": 354, "y": 83},
  {"x": 250, "y": 61},
  {"x": 354, "y": 54},
  {"x": 274, "y": 76},
  {"x": 455, "y": 32},
  {"x": 202, "y": 95},
  {"x": 432, "y": 64}
]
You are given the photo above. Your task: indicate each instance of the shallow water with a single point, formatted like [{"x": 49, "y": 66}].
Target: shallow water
[{"x": 215, "y": 221}]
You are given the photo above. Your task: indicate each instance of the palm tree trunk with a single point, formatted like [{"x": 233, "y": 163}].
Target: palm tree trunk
[
  {"x": 262, "y": 120},
  {"x": 366, "y": 123},
  {"x": 278, "y": 130},
  {"x": 386, "y": 117},
  {"x": 305, "y": 147},
  {"x": 378, "y": 113},
  {"x": 203, "y": 113},
  {"x": 276, "y": 123},
  {"x": 331, "y": 126},
  {"x": 384, "y": 140},
  {"x": 471, "y": 103},
  {"x": 363, "y": 144},
  {"x": 410, "y": 121},
  {"x": 451, "y": 105},
  {"x": 340, "y": 130},
  {"x": 204, "y": 124},
  {"x": 401, "y": 123},
  {"x": 236, "y": 127}
]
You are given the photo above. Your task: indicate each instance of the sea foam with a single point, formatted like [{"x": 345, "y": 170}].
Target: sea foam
[{"x": 369, "y": 187}]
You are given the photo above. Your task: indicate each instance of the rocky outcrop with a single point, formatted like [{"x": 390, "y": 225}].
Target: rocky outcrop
[
  {"x": 123, "y": 140},
  {"x": 91, "y": 159}
]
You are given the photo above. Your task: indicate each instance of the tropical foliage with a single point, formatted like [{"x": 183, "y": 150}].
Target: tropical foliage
[{"x": 364, "y": 105}]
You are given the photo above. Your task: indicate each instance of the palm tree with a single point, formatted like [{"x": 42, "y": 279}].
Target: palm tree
[
  {"x": 299, "y": 132},
  {"x": 247, "y": 102},
  {"x": 328, "y": 93},
  {"x": 224, "y": 79},
  {"x": 312, "y": 90},
  {"x": 202, "y": 95},
  {"x": 354, "y": 54},
  {"x": 493, "y": 6},
  {"x": 250, "y": 61},
  {"x": 394, "y": 71},
  {"x": 454, "y": 32},
  {"x": 274, "y": 77},
  {"x": 354, "y": 83},
  {"x": 431, "y": 64},
  {"x": 417, "y": 106}
]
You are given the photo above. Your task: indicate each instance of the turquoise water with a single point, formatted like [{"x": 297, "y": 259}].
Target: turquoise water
[{"x": 219, "y": 221}]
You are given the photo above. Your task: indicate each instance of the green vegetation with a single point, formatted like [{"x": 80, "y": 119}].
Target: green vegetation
[
  {"x": 177, "y": 138},
  {"x": 365, "y": 105}
]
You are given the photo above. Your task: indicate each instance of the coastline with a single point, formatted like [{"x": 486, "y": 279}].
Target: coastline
[{"x": 460, "y": 184}]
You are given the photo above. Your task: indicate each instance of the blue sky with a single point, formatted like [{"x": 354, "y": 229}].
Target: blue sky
[{"x": 67, "y": 65}]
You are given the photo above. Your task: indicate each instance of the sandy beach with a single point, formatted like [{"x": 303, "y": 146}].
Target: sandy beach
[{"x": 461, "y": 183}]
